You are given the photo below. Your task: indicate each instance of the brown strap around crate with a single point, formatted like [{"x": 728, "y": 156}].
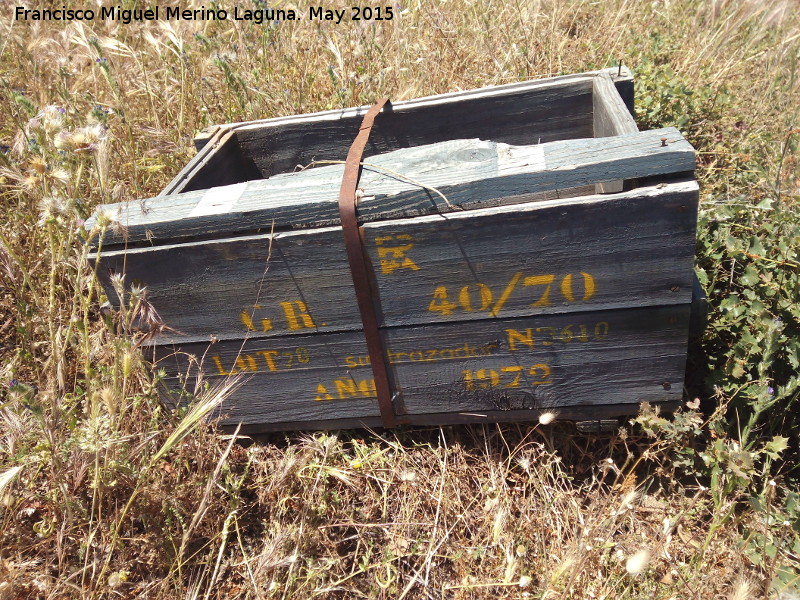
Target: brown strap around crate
[{"x": 359, "y": 267}]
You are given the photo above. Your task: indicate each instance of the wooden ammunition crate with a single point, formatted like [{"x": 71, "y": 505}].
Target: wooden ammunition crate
[{"x": 531, "y": 251}]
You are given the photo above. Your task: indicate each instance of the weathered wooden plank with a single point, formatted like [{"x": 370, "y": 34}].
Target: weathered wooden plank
[
  {"x": 559, "y": 112},
  {"x": 207, "y": 134},
  {"x": 623, "y": 82},
  {"x": 231, "y": 165},
  {"x": 469, "y": 173},
  {"x": 611, "y": 117},
  {"x": 592, "y": 253},
  {"x": 622, "y": 78},
  {"x": 569, "y": 413},
  {"x": 548, "y": 362}
]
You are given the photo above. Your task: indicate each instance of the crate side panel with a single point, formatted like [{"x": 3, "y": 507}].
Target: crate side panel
[
  {"x": 593, "y": 253},
  {"x": 569, "y": 413},
  {"x": 224, "y": 164},
  {"x": 622, "y": 78},
  {"x": 532, "y": 363},
  {"x": 520, "y": 118},
  {"x": 611, "y": 117}
]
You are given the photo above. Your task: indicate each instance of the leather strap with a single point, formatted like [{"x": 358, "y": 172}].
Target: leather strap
[{"x": 359, "y": 267}]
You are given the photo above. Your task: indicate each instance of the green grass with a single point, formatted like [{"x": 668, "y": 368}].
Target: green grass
[{"x": 106, "y": 493}]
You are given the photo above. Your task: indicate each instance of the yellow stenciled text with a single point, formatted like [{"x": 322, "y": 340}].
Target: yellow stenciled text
[
  {"x": 509, "y": 377},
  {"x": 549, "y": 336},
  {"x": 427, "y": 355},
  {"x": 269, "y": 360},
  {"x": 295, "y": 313},
  {"x": 478, "y": 297},
  {"x": 247, "y": 320},
  {"x": 346, "y": 388},
  {"x": 392, "y": 250}
]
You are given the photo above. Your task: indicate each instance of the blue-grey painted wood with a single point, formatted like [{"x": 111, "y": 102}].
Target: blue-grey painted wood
[
  {"x": 530, "y": 417},
  {"x": 611, "y": 117},
  {"x": 469, "y": 173},
  {"x": 592, "y": 253},
  {"x": 610, "y": 114},
  {"x": 539, "y": 112},
  {"x": 504, "y": 287},
  {"x": 551, "y": 362}
]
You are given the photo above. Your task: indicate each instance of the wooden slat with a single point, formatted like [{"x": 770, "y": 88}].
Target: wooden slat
[
  {"x": 206, "y": 135},
  {"x": 611, "y": 118},
  {"x": 623, "y": 82},
  {"x": 517, "y": 118},
  {"x": 231, "y": 165},
  {"x": 611, "y": 115},
  {"x": 636, "y": 248},
  {"x": 552, "y": 362},
  {"x": 469, "y": 173},
  {"x": 530, "y": 416}
]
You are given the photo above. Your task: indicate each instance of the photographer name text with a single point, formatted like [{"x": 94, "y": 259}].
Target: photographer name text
[{"x": 170, "y": 13}]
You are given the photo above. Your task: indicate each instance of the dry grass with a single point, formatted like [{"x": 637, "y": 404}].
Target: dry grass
[{"x": 107, "y": 494}]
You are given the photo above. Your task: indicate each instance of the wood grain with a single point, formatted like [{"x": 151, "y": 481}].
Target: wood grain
[
  {"x": 548, "y": 362},
  {"x": 611, "y": 118},
  {"x": 637, "y": 247},
  {"x": 527, "y": 416},
  {"x": 469, "y": 173}
]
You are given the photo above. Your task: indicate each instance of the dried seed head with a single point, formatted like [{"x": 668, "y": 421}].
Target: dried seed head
[
  {"x": 137, "y": 291},
  {"x": 118, "y": 283},
  {"x": 51, "y": 207},
  {"x": 87, "y": 139},
  {"x": 63, "y": 140},
  {"x": 546, "y": 418},
  {"x": 743, "y": 589},
  {"x": 629, "y": 499},
  {"x": 498, "y": 526},
  {"x": 50, "y": 204},
  {"x": 33, "y": 125},
  {"x": 59, "y": 175},
  {"x": 104, "y": 219},
  {"x": 110, "y": 400},
  {"x": 37, "y": 164},
  {"x": 117, "y": 578},
  {"x": 637, "y": 562},
  {"x": 128, "y": 362},
  {"x": 52, "y": 118},
  {"x": 563, "y": 568},
  {"x": 83, "y": 140}
]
